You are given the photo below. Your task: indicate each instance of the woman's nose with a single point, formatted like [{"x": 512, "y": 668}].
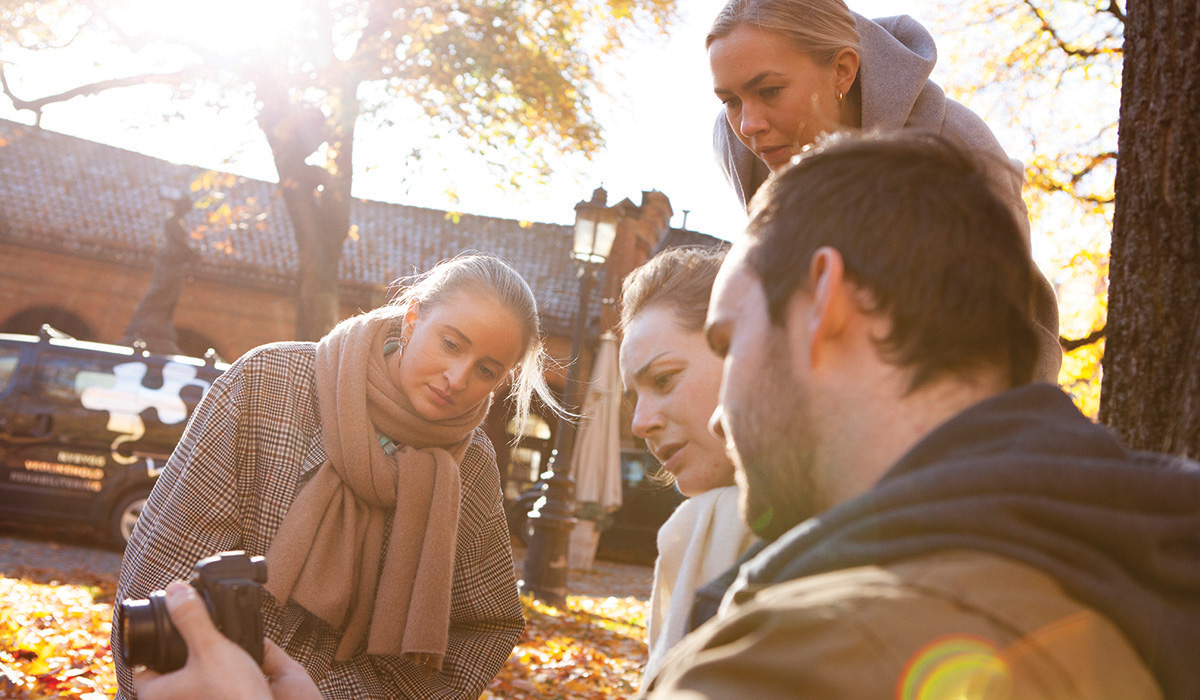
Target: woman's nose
[
  {"x": 646, "y": 419},
  {"x": 753, "y": 122},
  {"x": 456, "y": 375}
]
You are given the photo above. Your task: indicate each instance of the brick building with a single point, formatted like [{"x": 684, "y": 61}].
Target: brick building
[{"x": 80, "y": 222}]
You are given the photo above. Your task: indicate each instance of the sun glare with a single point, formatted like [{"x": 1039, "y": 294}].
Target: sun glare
[{"x": 224, "y": 27}]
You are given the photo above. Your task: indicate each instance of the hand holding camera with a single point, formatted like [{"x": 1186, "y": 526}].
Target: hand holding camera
[
  {"x": 177, "y": 624},
  {"x": 230, "y": 583}
]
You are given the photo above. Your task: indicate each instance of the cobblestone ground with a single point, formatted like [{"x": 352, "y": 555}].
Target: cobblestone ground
[
  {"x": 73, "y": 559},
  {"x": 605, "y": 579},
  {"x": 64, "y": 558}
]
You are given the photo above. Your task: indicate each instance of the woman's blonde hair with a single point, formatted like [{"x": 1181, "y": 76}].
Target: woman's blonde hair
[
  {"x": 819, "y": 28},
  {"x": 680, "y": 279},
  {"x": 481, "y": 273}
]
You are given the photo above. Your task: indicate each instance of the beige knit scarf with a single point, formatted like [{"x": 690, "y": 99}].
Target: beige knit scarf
[{"x": 329, "y": 555}]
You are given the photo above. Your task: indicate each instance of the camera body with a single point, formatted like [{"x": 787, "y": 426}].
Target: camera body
[{"x": 230, "y": 583}]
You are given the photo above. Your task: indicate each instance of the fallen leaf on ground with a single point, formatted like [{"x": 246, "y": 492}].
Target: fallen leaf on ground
[{"x": 54, "y": 644}]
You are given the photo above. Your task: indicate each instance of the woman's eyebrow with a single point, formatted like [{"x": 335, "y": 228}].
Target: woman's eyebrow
[
  {"x": 645, "y": 368},
  {"x": 467, "y": 341},
  {"x": 751, "y": 83}
]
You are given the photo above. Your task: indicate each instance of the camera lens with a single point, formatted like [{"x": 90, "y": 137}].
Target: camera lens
[{"x": 149, "y": 638}]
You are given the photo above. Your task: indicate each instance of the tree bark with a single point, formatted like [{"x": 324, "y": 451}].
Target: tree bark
[
  {"x": 1151, "y": 389},
  {"x": 317, "y": 199},
  {"x": 153, "y": 321}
]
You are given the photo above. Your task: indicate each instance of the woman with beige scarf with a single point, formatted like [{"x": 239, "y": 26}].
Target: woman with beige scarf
[{"x": 357, "y": 467}]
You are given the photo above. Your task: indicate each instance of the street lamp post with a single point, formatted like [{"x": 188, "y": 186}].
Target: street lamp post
[{"x": 553, "y": 516}]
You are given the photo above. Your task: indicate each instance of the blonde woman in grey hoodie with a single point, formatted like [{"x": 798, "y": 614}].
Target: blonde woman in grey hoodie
[{"x": 788, "y": 71}]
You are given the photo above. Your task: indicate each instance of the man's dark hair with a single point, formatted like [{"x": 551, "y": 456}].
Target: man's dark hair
[{"x": 921, "y": 231}]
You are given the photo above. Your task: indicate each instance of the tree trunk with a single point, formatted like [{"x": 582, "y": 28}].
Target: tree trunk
[
  {"x": 153, "y": 320},
  {"x": 1151, "y": 388},
  {"x": 317, "y": 199}
]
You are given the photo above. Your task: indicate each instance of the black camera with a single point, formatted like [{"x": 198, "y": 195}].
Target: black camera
[{"x": 230, "y": 583}]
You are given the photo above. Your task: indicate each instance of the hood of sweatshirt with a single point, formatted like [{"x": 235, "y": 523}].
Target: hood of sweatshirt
[{"x": 897, "y": 54}]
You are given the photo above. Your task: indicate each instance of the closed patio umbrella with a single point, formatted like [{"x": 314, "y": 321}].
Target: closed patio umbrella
[{"x": 596, "y": 459}]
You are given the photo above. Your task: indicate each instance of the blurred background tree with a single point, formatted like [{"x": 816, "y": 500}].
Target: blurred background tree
[
  {"x": 1047, "y": 76},
  {"x": 513, "y": 81}
]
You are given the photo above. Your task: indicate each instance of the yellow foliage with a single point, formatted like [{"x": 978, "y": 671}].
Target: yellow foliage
[
  {"x": 54, "y": 642},
  {"x": 591, "y": 650},
  {"x": 1050, "y": 70},
  {"x": 1081, "y": 375}
]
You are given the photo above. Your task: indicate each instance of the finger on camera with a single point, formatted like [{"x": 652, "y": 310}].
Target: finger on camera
[
  {"x": 151, "y": 685},
  {"x": 289, "y": 679},
  {"x": 143, "y": 675},
  {"x": 277, "y": 664},
  {"x": 188, "y": 613}
]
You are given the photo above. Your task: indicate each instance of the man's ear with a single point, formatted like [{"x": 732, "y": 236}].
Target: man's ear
[{"x": 819, "y": 312}]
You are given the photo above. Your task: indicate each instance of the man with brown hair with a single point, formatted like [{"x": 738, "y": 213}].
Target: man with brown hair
[{"x": 939, "y": 527}]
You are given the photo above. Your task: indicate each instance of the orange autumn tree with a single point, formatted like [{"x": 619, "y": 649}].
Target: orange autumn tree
[
  {"x": 512, "y": 81},
  {"x": 1047, "y": 76}
]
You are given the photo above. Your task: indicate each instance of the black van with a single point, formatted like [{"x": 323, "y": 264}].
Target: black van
[{"x": 85, "y": 428}]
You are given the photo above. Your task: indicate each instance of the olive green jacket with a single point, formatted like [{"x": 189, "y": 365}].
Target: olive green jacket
[{"x": 954, "y": 624}]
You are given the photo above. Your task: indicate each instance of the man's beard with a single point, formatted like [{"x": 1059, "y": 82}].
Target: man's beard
[{"x": 774, "y": 450}]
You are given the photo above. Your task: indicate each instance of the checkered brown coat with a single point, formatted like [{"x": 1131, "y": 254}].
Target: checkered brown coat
[{"x": 250, "y": 446}]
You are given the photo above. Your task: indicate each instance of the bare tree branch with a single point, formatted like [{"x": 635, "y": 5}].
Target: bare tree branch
[
  {"x": 1094, "y": 161},
  {"x": 36, "y": 106},
  {"x": 16, "y": 28},
  {"x": 1095, "y": 336},
  {"x": 1076, "y": 51},
  {"x": 1043, "y": 178},
  {"x": 1114, "y": 8}
]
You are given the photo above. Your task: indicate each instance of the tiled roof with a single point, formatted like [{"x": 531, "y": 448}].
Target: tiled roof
[
  {"x": 680, "y": 237},
  {"x": 88, "y": 198}
]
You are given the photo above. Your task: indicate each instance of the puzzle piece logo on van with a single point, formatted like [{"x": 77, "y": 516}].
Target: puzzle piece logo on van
[
  {"x": 85, "y": 428},
  {"x": 127, "y": 397}
]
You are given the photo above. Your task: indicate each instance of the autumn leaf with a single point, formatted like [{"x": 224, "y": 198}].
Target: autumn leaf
[
  {"x": 594, "y": 648},
  {"x": 54, "y": 643}
]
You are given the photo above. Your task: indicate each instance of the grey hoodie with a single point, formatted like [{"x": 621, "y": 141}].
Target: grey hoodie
[{"x": 897, "y": 54}]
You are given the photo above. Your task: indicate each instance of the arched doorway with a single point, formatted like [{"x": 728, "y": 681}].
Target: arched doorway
[
  {"x": 194, "y": 344},
  {"x": 30, "y": 322}
]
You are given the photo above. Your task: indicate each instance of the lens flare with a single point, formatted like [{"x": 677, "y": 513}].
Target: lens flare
[{"x": 960, "y": 667}]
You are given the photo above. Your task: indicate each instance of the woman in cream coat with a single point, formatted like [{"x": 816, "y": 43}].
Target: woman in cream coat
[{"x": 674, "y": 377}]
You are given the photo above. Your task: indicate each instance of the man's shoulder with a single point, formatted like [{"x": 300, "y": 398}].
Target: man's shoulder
[
  {"x": 871, "y": 630},
  {"x": 940, "y": 587}
]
